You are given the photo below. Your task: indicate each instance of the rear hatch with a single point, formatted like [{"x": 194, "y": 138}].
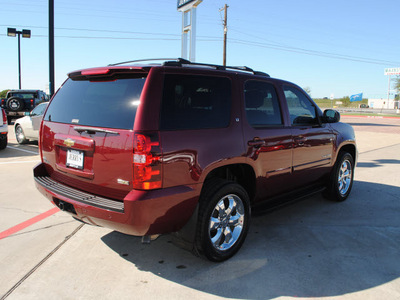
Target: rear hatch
[{"x": 87, "y": 134}]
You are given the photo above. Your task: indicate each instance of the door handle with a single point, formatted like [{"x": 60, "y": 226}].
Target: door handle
[
  {"x": 300, "y": 140},
  {"x": 256, "y": 143}
]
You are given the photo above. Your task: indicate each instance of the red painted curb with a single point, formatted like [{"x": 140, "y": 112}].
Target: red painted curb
[
  {"x": 369, "y": 117},
  {"x": 28, "y": 223}
]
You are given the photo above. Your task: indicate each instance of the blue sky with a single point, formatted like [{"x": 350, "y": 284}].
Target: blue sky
[{"x": 336, "y": 47}]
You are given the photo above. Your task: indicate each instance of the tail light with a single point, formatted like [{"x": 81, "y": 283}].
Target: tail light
[
  {"x": 31, "y": 102},
  {"x": 147, "y": 167},
  {"x": 4, "y": 116}
]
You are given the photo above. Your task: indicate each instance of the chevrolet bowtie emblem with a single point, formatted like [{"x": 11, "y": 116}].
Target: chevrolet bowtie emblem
[{"x": 69, "y": 143}]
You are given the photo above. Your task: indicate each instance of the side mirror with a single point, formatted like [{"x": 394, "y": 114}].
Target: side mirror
[{"x": 331, "y": 116}]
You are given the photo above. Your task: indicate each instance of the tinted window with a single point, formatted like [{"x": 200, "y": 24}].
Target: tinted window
[
  {"x": 39, "y": 110},
  {"x": 194, "y": 102},
  {"x": 301, "y": 110},
  {"x": 262, "y": 104},
  {"x": 24, "y": 95},
  {"x": 111, "y": 104}
]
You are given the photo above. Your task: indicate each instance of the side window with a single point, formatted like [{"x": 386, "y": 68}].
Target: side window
[
  {"x": 38, "y": 110},
  {"x": 301, "y": 110},
  {"x": 195, "y": 102},
  {"x": 261, "y": 104}
]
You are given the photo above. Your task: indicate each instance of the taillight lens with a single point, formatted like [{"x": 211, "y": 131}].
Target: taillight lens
[
  {"x": 147, "y": 165},
  {"x": 4, "y": 116},
  {"x": 32, "y": 103}
]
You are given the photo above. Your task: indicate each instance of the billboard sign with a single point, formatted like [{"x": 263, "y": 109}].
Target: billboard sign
[
  {"x": 392, "y": 71},
  {"x": 183, "y": 2}
]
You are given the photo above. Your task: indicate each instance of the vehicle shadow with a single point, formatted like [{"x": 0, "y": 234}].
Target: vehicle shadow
[
  {"x": 377, "y": 163},
  {"x": 14, "y": 149},
  {"x": 313, "y": 248}
]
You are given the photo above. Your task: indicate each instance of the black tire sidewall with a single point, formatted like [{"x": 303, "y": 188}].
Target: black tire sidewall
[
  {"x": 3, "y": 143},
  {"x": 207, "y": 205}
]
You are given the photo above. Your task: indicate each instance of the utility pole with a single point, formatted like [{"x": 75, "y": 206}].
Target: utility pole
[
  {"x": 225, "y": 23},
  {"x": 51, "y": 47}
]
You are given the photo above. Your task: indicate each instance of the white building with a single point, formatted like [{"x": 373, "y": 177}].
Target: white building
[{"x": 383, "y": 103}]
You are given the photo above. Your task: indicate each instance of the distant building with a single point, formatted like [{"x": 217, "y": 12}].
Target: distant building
[{"x": 383, "y": 103}]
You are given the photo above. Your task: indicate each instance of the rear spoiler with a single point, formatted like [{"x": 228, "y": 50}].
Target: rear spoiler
[{"x": 107, "y": 73}]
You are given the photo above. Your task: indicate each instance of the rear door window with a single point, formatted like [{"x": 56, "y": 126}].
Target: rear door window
[
  {"x": 262, "y": 104},
  {"x": 110, "y": 104},
  {"x": 195, "y": 102}
]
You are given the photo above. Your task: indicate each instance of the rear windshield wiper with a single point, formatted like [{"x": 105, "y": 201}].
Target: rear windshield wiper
[{"x": 91, "y": 130}]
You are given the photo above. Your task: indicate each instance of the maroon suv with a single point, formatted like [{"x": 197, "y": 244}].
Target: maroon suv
[{"x": 187, "y": 148}]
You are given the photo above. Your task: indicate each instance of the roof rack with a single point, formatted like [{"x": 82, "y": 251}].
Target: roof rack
[
  {"x": 179, "y": 62},
  {"x": 150, "y": 59}
]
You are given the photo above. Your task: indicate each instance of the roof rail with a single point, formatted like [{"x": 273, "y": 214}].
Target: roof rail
[
  {"x": 151, "y": 59},
  {"x": 179, "y": 62}
]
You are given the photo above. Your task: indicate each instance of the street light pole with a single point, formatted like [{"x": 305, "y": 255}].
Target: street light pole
[{"x": 25, "y": 34}]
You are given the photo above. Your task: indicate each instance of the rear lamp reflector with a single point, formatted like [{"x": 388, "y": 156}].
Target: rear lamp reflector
[
  {"x": 147, "y": 166},
  {"x": 4, "y": 116}
]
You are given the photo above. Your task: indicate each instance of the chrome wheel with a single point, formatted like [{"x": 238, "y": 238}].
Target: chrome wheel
[
  {"x": 226, "y": 222},
  {"x": 344, "y": 177},
  {"x": 19, "y": 134}
]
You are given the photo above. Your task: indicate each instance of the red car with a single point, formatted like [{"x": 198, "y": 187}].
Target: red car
[{"x": 188, "y": 148}]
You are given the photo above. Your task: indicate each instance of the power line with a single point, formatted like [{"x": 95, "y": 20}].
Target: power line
[{"x": 176, "y": 37}]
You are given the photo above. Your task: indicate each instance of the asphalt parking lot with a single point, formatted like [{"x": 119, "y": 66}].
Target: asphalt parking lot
[{"x": 311, "y": 249}]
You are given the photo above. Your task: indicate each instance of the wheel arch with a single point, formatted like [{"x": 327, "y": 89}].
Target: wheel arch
[
  {"x": 350, "y": 148},
  {"x": 240, "y": 173}
]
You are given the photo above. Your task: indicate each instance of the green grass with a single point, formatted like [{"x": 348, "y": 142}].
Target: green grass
[{"x": 327, "y": 103}]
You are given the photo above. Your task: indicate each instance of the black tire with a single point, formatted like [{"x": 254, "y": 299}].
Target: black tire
[
  {"x": 341, "y": 179},
  {"x": 20, "y": 135},
  {"x": 15, "y": 104},
  {"x": 3, "y": 143},
  {"x": 220, "y": 240},
  {"x": 9, "y": 120}
]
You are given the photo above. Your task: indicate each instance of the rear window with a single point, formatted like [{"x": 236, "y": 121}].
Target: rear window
[
  {"x": 195, "y": 102},
  {"x": 24, "y": 95},
  {"x": 110, "y": 104}
]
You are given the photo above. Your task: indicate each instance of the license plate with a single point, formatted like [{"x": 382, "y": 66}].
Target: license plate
[{"x": 75, "y": 159}]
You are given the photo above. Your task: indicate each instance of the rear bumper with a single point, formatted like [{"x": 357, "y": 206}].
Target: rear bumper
[
  {"x": 16, "y": 113},
  {"x": 141, "y": 212}
]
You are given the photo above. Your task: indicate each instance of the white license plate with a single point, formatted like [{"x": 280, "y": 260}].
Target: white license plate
[{"x": 75, "y": 159}]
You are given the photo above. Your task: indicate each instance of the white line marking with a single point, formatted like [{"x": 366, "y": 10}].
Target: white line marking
[
  {"x": 23, "y": 150},
  {"x": 19, "y": 162}
]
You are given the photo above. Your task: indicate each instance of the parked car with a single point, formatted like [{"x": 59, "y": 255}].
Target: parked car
[
  {"x": 187, "y": 148},
  {"x": 3, "y": 129},
  {"x": 27, "y": 128},
  {"x": 18, "y": 102}
]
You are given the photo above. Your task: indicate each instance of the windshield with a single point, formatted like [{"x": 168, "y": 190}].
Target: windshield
[{"x": 110, "y": 104}]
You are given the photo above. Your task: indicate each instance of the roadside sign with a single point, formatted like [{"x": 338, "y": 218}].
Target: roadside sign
[
  {"x": 392, "y": 71},
  {"x": 183, "y": 3}
]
